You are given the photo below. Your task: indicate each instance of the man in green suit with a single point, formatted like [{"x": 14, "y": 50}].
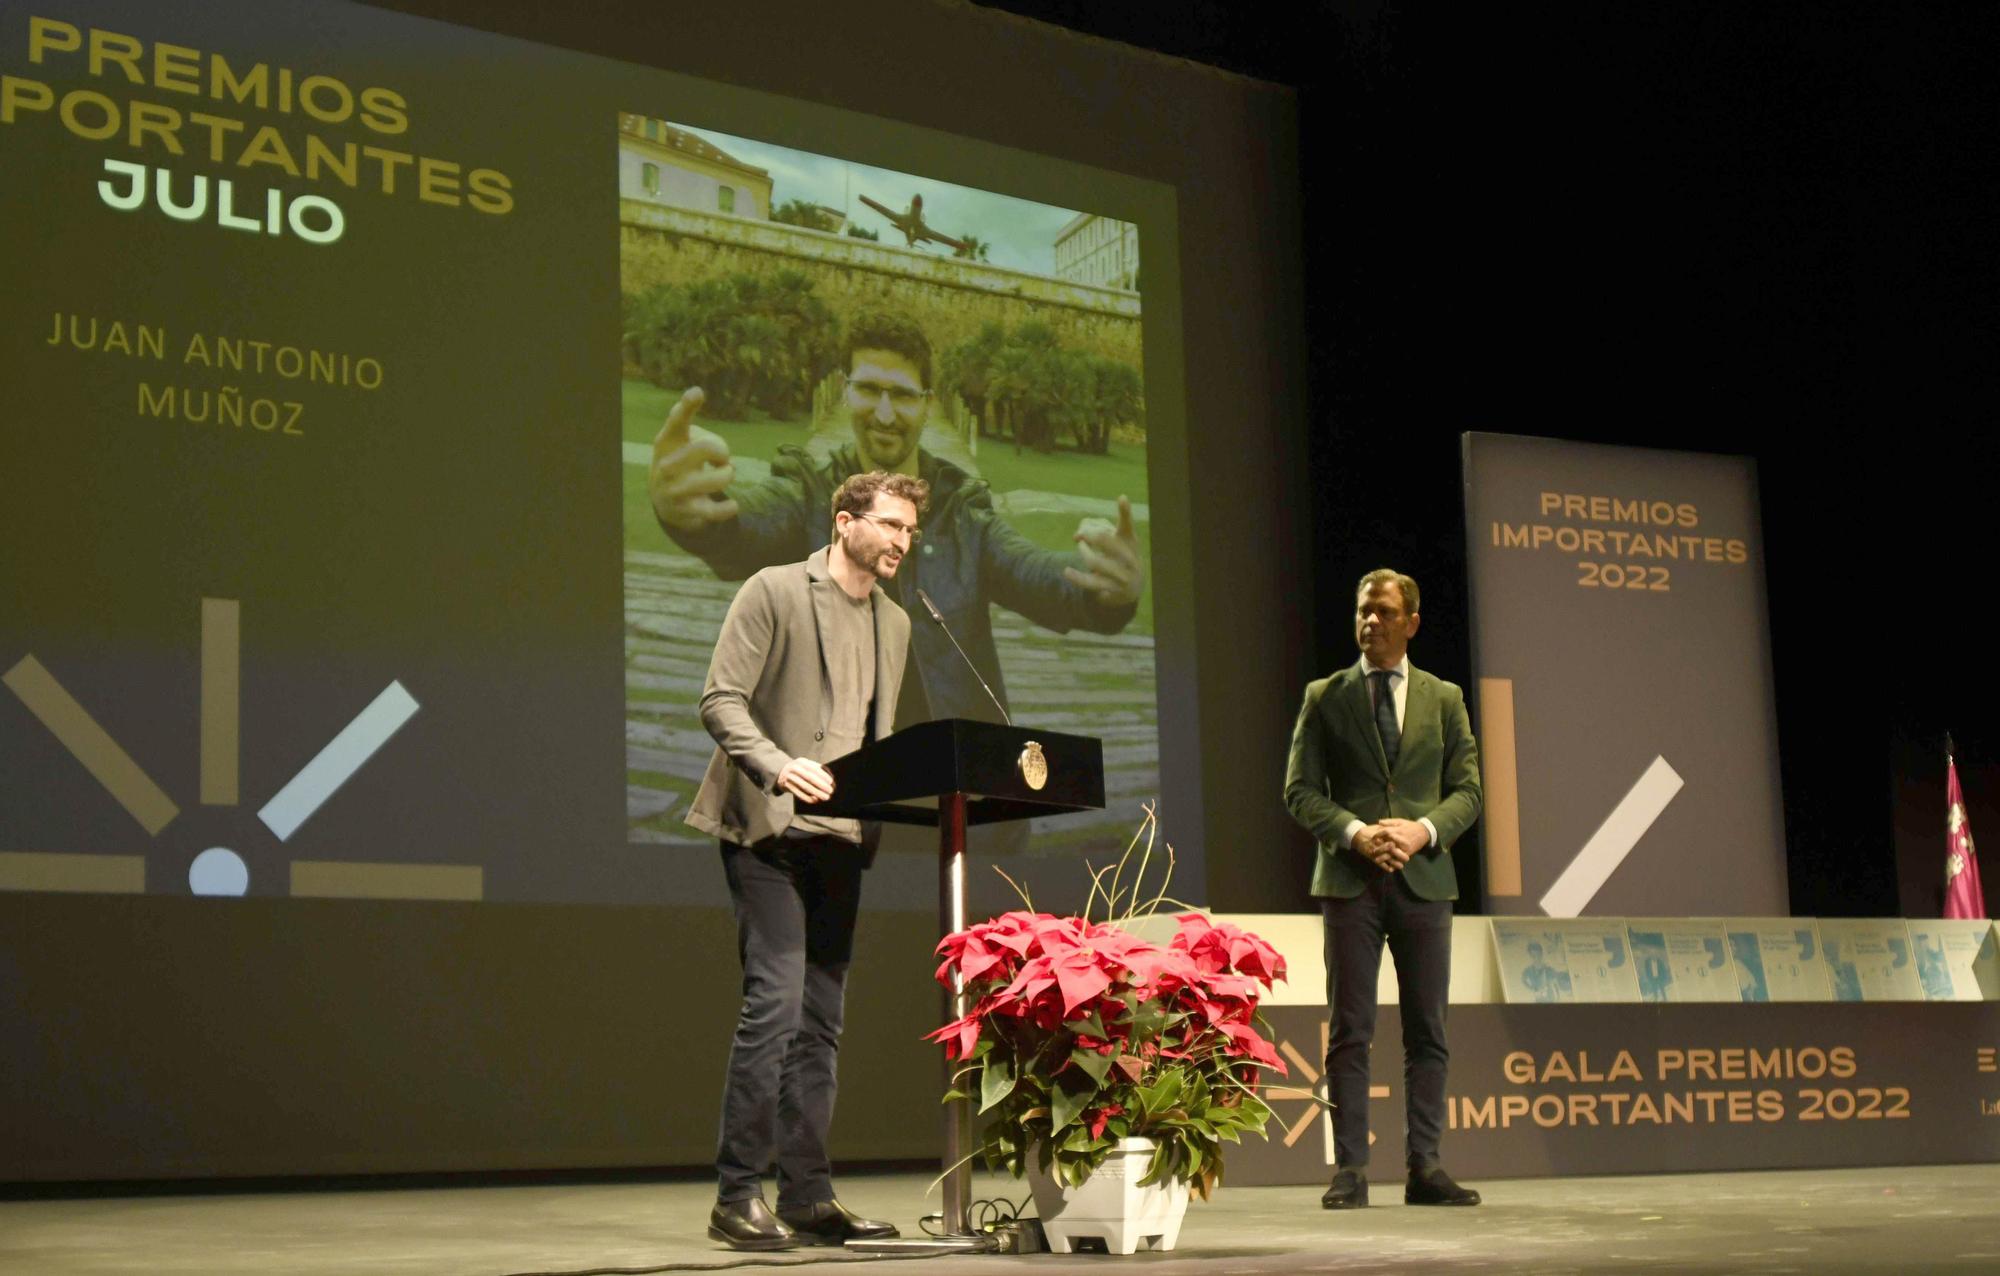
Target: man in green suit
[{"x": 1385, "y": 775}]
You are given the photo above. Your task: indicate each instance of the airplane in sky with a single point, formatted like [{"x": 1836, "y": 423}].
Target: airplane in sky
[{"x": 911, "y": 223}]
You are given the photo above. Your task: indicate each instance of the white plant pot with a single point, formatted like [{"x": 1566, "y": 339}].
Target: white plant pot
[{"x": 1111, "y": 1206}]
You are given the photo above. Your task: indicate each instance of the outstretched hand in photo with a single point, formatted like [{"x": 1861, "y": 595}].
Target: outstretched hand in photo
[{"x": 690, "y": 469}]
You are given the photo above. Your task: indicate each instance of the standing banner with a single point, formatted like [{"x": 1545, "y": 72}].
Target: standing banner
[{"x": 1624, "y": 696}]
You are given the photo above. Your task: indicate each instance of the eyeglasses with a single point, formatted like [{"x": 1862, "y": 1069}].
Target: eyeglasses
[
  {"x": 895, "y": 525},
  {"x": 901, "y": 397}
]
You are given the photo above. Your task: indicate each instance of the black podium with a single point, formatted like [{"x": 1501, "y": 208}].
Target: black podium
[{"x": 954, "y": 773}]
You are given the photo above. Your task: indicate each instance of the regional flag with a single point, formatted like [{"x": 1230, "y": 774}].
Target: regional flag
[{"x": 1962, "y": 896}]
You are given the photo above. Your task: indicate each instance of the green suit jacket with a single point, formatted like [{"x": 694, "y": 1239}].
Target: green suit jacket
[{"x": 1338, "y": 773}]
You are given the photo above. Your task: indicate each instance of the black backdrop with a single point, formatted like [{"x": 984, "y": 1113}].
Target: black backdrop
[{"x": 1761, "y": 229}]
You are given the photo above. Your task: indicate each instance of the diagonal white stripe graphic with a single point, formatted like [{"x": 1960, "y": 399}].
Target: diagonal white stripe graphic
[
  {"x": 338, "y": 761},
  {"x": 1613, "y": 841}
]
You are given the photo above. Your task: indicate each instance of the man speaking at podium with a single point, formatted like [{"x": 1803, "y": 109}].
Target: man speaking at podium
[
  {"x": 1385, "y": 775},
  {"x": 806, "y": 669}
]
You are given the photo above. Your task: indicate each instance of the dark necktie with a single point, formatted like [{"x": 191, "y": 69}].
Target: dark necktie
[{"x": 1385, "y": 716}]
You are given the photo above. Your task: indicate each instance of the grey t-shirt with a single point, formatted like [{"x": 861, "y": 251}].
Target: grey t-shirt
[{"x": 850, "y": 647}]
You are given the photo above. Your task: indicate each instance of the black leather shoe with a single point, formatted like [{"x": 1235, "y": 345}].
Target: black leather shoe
[
  {"x": 1349, "y": 1191},
  {"x": 831, "y": 1223},
  {"x": 1434, "y": 1187},
  {"x": 749, "y": 1224}
]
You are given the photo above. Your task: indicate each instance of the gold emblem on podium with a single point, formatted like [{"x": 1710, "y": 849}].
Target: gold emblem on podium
[{"x": 1034, "y": 764}]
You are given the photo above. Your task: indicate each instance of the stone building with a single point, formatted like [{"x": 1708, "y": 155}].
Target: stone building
[
  {"x": 1098, "y": 250},
  {"x": 661, "y": 164}
]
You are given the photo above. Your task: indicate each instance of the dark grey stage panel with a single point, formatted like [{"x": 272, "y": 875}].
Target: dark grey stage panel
[
  {"x": 1623, "y": 697},
  {"x": 1560, "y": 1090}
]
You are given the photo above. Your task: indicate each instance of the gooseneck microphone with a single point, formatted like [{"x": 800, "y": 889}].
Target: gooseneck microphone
[{"x": 938, "y": 616}]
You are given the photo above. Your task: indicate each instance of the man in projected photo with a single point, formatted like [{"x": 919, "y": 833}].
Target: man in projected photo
[
  {"x": 806, "y": 668},
  {"x": 1384, "y": 773},
  {"x": 969, "y": 555}
]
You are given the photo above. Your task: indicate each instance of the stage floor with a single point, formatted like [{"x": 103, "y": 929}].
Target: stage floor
[{"x": 1820, "y": 1222}]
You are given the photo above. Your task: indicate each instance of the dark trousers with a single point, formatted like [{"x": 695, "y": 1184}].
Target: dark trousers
[
  {"x": 795, "y": 898},
  {"x": 1418, "y": 932}
]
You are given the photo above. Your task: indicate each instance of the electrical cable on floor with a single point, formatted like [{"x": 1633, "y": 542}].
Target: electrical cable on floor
[{"x": 984, "y": 1215}]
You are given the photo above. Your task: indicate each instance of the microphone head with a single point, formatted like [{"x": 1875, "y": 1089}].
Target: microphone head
[{"x": 930, "y": 606}]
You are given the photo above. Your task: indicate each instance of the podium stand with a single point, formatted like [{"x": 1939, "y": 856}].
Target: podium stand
[{"x": 955, "y": 773}]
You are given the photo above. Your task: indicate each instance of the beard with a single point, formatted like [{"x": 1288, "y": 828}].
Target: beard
[
  {"x": 878, "y": 560},
  {"x": 885, "y": 446}
]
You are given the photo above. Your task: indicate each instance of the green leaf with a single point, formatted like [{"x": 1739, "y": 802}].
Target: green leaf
[
  {"x": 1253, "y": 1114},
  {"x": 1148, "y": 1021},
  {"x": 1226, "y": 1123},
  {"x": 1162, "y": 1095},
  {"x": 996, "y": 1081},
  {"x": 1065, "y": 1107},
  {"x": 1095, "y": 1065}
]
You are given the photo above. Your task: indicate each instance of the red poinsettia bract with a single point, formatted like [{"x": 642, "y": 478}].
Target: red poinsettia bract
[{"x": 1055, "y": 974}]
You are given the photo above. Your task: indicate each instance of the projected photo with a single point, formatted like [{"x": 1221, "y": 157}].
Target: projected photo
[{"x": 790, "y": 319}]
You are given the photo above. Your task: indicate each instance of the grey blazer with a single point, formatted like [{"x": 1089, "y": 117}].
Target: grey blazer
[{"x": 768, "y": 697}]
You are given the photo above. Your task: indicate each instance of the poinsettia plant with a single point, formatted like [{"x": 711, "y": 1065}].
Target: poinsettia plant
[{"x": 1081, "y": 1034}]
